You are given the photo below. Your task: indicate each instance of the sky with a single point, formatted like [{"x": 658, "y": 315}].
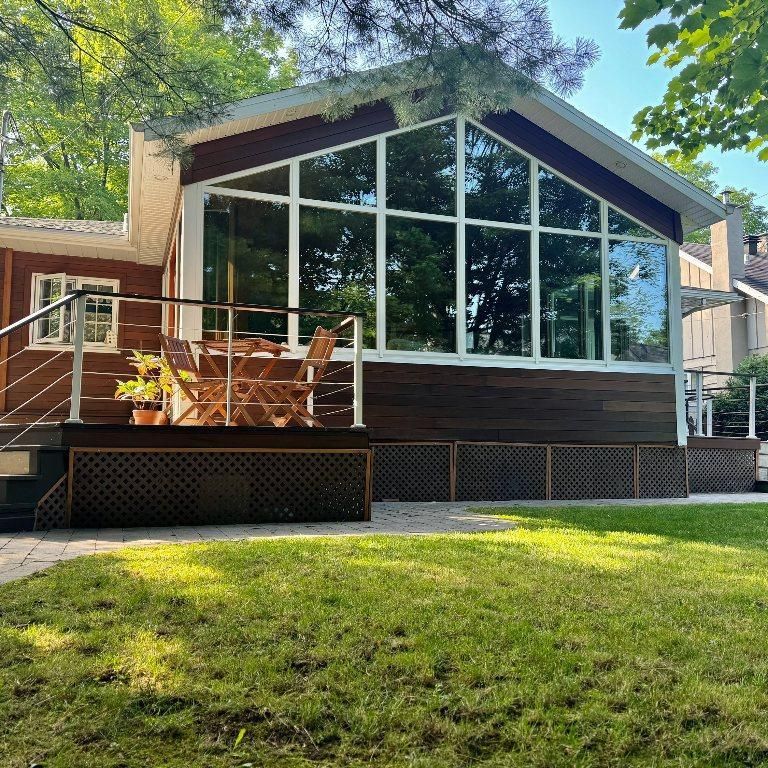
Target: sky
[{"x": 621, "y": 83}]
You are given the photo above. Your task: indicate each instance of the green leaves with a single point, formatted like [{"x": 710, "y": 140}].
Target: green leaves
[{"x": 719, "y": 52}]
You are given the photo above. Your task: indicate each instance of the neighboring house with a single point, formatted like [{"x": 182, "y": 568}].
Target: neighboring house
[
  {"x": 520, "y": 274},
  {"x": 723, "y": 330}
]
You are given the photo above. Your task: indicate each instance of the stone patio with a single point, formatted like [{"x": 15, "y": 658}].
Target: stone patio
[{"x": 24, "y": 553}]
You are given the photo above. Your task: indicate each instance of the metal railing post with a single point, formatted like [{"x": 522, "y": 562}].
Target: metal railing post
[
  {"x": 699, "y": 404},
  {"x": 358, "y": 375},
  {"x": 230, "y": 330},
  {"x": 752, "y": 406},
  {"x": 709, "y": 417},
  {"x": 77, "y": 361}
]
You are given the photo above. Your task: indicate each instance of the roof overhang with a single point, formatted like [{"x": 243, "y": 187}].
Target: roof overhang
[
  {"x": 696, "y": 299},
  {"x": 697, "y": 208},
  {"x": 67, "y": 243}
]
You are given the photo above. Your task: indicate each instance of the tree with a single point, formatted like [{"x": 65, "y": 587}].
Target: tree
[
  {"x": 74, "y": 160},
  {"x": 455, "y": 54},
  {"x": 730, "y": 408},
  {"x": 702, "y": 174},
  {"x": 718, "y": 50}
]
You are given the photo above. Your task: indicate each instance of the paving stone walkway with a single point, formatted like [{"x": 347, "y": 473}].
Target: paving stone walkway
[{"x": 21, "y": 554}]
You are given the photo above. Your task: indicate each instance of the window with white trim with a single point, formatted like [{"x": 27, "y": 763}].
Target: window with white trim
[
  {"x": 58, "y": 326},
  {"x": 451, "y": 240}
]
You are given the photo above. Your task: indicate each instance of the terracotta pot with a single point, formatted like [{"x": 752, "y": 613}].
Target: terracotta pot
[{"x": 152, "y": 418}]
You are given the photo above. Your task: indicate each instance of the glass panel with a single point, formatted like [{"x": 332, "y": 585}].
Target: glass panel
[
  {"x": 564, "y": 206},
  {"x": 98, "y": 313},
  {"x": 337, "y": 271},
  {"x": 347, "y": 176},
  {"x": 421, "y": 169},
  {"x": 245, "y": 260},
  {"x": 569, "y": 269},
  {"x": 618, "y": 224},
  {"x": 49, "y": 290},
  {"x": 68, "y": 331},
  {"x": 272, "y": 182},
  {"x": 639, "y": 302},
  {"x": 496, "y": 180},
  {"x": 498, "y": 291},
  {"x": 421, "y": 285}
]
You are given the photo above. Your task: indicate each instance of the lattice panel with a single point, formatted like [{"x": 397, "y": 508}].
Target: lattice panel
[
  {"x": 718, "y": 470},
  {"x": 494, "y": 472},
  {"x": 51, "y": 510},
  {"x": 412, "y": 472},
  {"x": 662, "y": 473},
  {"x": 122, "y": 488},
  {"x": 586, "y": 472}
]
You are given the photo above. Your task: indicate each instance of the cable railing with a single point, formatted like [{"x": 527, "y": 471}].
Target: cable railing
[
  {"x": 237, "y": 395},
  {"x": 725, "y": 404}
]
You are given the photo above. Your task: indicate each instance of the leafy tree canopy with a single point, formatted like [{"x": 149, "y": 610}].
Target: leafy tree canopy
[
  {"x": 74, "y": 87},
  {"x": 703, "y": 174},
  {"x": 718, "y": 50}
]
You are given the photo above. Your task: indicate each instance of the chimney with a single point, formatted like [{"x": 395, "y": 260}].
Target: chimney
[{"x": 728, "y": 250}]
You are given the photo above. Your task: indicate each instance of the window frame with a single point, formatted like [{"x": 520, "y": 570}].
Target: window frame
[
  {"x": 193, "y": 196},
  {"x": 59, "y": 344}
]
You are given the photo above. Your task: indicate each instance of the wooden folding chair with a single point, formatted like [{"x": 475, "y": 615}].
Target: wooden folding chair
[
  {"x": 286, "y": 401},
  {"x": 204, "y": 396}
]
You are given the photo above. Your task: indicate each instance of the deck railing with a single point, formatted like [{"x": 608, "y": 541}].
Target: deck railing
[
  {"x": 38, "y": 382},
  {"x": 725, "y": 404}
]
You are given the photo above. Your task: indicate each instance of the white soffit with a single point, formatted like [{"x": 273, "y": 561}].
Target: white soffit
[{"x": 66, "y": 243}]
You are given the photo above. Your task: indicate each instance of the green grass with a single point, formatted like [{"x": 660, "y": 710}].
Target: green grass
[{"x": 585, "y": 637}]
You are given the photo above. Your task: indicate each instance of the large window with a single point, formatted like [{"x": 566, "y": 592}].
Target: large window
[
  {"x": 57, "y": 327},
  {"x": 451, "y": 240}
]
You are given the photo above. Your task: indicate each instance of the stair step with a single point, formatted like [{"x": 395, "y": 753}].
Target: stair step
[
  {"x": 17, "y": 461},
  {"x": 761, "y": 486},
  {"x": 17, "y": 517}
]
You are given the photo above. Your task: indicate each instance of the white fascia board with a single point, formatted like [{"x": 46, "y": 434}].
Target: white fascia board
[
  {"x": 748, "y": 290},
  {"x": 702, "y": 265}
]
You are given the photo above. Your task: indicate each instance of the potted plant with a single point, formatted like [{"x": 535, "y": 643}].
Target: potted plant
[{"x": 153, "y": 380}]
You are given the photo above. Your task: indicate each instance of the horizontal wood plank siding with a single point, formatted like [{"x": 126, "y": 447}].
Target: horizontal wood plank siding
[
  {"x": 312, "y": 134},
  {"x": 143, "y": 321},
  {"x": 437, "y": 402}
]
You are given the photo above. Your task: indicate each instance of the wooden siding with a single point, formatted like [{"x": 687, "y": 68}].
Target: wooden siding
[
  {"x": 430, "y": 402},
  {"x": 311, "y": 134},
  {"x": 141, "y": 333}
]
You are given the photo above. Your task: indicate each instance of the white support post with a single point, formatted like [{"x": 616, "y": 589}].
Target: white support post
[
  {"x": 752, "y": 406},
  {"x": 709, "y": 417},
  {"x": 77, "y": 361},
  {"x": 230, "y": 331},
  {"x": 699, "y": 404},
  {"x": 357, "y": 401}
]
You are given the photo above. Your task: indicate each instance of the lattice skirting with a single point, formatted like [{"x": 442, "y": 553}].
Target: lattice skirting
[
  {"x": 412, "y": 471},
  {"x": 51, "y": 510},
  {"x": 120, "y": 488},
  {"x": 720, "y": 470},
  {"x": 497, "y": 472},
  {"x": 662, "y": 472},
  {"x": 587, "y": 472}
]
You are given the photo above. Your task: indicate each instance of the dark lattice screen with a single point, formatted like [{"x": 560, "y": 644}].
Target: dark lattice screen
[
  {"x": 585, "y": 472},
  {"x": 490, "y": 472},
  {"x": 412, "y": 472},
  {"x": 122, "y": 488},
  {"x": 51, "y": 510},
  {"x": 662, "y": 473},
  {"x": 718, "y": 470}
]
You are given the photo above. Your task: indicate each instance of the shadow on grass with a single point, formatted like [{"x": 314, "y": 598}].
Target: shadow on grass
[{"x": 724, "y": 524}]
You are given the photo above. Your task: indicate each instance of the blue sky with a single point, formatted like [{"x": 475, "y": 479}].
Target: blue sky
[{"x": 621, "y": 83}]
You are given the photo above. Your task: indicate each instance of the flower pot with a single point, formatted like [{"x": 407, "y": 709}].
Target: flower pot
[{"x": 152, "y": 418}]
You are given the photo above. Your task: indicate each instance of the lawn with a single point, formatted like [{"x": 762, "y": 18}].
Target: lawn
[{"x": 608, "y": 636}]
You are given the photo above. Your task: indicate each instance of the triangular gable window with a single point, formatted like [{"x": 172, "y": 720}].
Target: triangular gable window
[
  {"x": 272, "y": 182},
  {"x": 563, "y": 206},
  {"x": 619, "y": 224},
  {"x": 345, "y": 176}
]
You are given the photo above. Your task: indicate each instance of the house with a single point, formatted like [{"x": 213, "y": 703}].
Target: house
[{"x": 520, "y": 279}]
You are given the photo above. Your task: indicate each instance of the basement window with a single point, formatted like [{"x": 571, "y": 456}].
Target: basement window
[{"x": 57, "y": 328}]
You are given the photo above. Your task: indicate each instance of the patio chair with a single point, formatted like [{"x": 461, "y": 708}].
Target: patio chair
[
  {"x": 204, "y": 395},
  {"x": 286, "y": 401}
]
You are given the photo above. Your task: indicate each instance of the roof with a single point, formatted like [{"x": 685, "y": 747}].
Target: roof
[
  {"x": 700, "y": 251},
  {"x": 755, "y": 268},
  {"x": 67, "y": 225},
  {"x": 697, "y": 208}
]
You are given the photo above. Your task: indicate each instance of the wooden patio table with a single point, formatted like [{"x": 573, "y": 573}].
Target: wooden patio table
[{"x": 243, "y": 352}]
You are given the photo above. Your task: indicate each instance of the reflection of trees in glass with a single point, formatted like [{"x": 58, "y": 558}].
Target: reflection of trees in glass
[
  {"x": 569, "y": 270},
  {"x": 337, "y": 266},
  {"x": 272, "y": 182},
  {"x": 564, "y": 206},
  {"x": 421, "y": 285},
  {"x": 618, "y": 224},
  {"x": 496, "y": 180},
  {"x": 245, "y": 260},
  {"x": 421, "y": 169},
  {"x": 498, "y": 275},
  {"x": 638, "y": 283},
  {"x": 346, "y": 176}
]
